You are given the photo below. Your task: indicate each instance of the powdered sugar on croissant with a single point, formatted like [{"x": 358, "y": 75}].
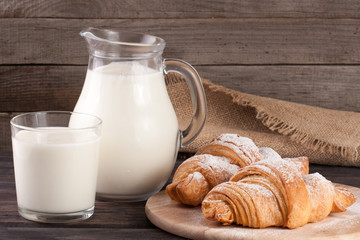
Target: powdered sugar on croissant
[
  {"x": 242, "y": 151},
  {"x": 275, "y": 193},
  {"x": 213, "y": 164},
  {"x": 197, "y": 176}
]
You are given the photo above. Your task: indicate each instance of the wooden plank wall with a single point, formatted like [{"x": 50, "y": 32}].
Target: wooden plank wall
[{"x": 304, "y": 51}]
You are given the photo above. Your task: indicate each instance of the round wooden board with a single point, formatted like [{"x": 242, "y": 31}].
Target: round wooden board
[{"x": 189, "y": 222}]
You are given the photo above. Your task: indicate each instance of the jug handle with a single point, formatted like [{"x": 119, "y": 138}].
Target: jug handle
[{"x": 197, "y": 94}]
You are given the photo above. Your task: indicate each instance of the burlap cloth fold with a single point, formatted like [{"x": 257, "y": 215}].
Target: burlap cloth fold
[{"x": 326, "y": 136}]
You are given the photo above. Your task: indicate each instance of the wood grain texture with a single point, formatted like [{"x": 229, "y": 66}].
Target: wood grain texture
[
  {"x": 178, "y": 9},
  {"x": 40, "y": 88},
  {"x": 198, "y": 41},
  {"x": 69, "y": 232},
  {"x": 5, "y": 133},
  {"x": 35, "y": 88}
]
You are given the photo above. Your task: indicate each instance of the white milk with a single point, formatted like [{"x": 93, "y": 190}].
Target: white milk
[
  {"x": 53, "y": 176},
  {"x": 140, "y": 135}
]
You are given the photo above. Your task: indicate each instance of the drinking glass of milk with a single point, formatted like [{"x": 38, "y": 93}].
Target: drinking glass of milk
[
  {"x": 125, "y": 87},
  {"x": 55, "y": 161}
]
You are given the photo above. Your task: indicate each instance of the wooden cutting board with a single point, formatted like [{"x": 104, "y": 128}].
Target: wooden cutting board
[{"x": 189, "y": 222}]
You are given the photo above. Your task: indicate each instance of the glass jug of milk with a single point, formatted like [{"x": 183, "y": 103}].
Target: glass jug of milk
[{"x": 125, "y": 87}]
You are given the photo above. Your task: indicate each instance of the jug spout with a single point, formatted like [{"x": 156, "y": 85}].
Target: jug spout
[
  {"x": 109, "y": 43},
  {"x": 87, "y": 34}
]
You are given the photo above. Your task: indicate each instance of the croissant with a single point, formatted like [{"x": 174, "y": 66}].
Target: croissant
[
  {"x": 275, "y": 193},
  {"x": 301, "y": 164},
  {"x": 240, "y": 150},
  {"x": 213, "y": 164}
]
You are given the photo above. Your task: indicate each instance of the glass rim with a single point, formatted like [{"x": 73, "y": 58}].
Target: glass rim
[{"x": 95, "y": 125}]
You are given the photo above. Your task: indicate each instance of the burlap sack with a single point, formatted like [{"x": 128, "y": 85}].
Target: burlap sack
[{"x": 326, "y": 136}]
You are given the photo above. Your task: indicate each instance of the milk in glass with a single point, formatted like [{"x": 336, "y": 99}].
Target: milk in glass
[{"x": 55, "y": 172}]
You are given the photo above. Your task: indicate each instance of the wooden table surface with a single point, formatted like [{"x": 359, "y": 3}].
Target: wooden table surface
[{"x": 111, "y": 220}]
